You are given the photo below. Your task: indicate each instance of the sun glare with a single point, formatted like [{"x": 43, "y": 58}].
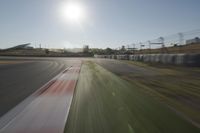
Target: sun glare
[{"x": 73, "y": 12}]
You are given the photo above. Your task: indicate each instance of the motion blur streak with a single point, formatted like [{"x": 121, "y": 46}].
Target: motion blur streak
[
  {"x": 48, "y": 111},
  {"x": 105, "y": 103},
  {"x": 22, "y": 78}
]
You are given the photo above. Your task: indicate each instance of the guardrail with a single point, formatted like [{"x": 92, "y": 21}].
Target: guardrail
[{"x": 172, "y": 59}]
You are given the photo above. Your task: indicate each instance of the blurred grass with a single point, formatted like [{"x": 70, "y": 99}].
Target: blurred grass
[
  {"x": 175, "y": 86},
  {"x": 105, "y": 103}
]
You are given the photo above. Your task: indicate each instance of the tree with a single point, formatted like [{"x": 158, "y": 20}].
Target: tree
[{"x": 108, "y": 51}]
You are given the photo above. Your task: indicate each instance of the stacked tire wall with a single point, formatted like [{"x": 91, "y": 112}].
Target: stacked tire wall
[{"x": 171, "y": 59}]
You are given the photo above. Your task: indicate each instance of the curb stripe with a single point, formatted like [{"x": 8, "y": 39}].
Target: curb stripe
[{"x": 48, "y": 111}]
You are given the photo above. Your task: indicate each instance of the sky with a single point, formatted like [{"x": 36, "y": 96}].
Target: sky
[{"x": 104, "y": 23}]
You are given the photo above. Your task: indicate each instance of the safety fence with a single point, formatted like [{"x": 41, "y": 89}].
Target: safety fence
[{"x": 178, "y": 39}]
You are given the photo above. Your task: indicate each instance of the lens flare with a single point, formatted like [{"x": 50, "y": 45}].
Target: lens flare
[{"x": 72, "y": 11}]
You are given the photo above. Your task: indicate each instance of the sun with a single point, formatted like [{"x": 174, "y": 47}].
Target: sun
[{"x": 73, "y": 11}]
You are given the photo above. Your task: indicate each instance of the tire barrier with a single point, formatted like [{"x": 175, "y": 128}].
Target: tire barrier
[
  {"x": 171, "y": 59},
  {"x": 114, "y": 57},
  {"x": 158, "y": 58},
  {"x": 191, "y": 59},
  {"x": 123, "y": 57},
  {"x": 147, "y": 58},
  {"x": 131, "y": 57},
  {"x": 164, "y": 58},
  {"x": 179, "y": 59},
  {"x": 141, "y": 58}
]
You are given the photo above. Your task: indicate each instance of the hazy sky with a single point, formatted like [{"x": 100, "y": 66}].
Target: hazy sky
[{"x": 106, "y": 23}]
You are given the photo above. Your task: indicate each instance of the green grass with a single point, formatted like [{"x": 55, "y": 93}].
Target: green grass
[
  {"x": 105, "y": 103},
  {"x": 175, "y": 86}
]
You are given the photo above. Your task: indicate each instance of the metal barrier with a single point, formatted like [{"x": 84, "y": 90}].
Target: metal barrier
[{"x": 172, "y": 59}]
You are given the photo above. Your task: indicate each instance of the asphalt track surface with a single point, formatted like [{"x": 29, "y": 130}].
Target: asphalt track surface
[
  {"x": 24, "y": 76},
  {"x": 46, "y": 110}
]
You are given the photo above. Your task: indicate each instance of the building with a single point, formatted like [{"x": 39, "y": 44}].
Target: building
[{"x": 21, "y": 46}]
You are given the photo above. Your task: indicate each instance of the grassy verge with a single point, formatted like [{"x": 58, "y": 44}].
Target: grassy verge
[
  {"x": 177, "y": 87},
  {"x": 105, "y": 103}
]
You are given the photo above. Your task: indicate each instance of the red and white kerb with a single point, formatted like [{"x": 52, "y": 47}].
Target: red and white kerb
[{"x": 48, "y": 109}]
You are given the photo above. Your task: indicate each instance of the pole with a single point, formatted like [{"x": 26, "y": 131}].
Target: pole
[{"x": 149, "y": 46}]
